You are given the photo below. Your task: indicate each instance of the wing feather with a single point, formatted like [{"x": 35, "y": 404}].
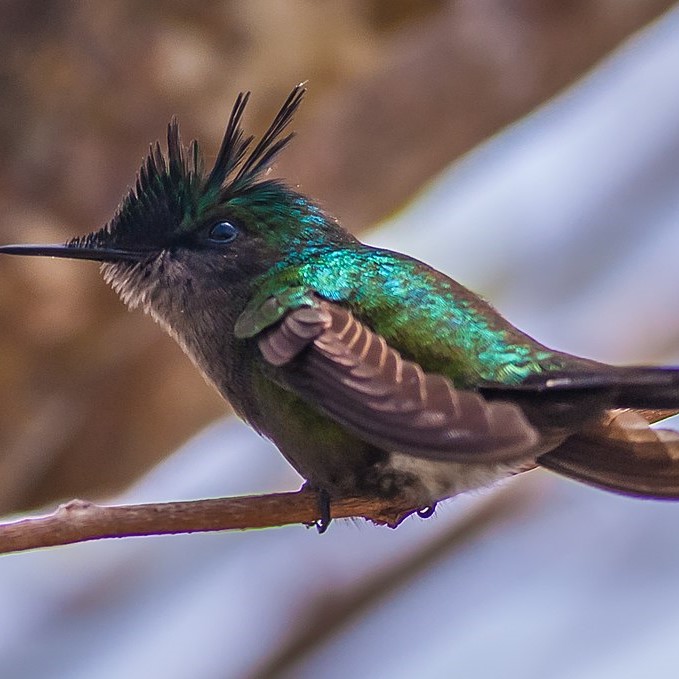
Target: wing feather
[{"x": 334, "y": 361}]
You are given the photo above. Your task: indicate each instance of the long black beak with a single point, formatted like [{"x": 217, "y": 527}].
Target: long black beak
[{"x": 97, "y": 254}]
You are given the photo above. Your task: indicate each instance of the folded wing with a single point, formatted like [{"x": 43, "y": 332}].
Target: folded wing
[{"x": 335, "y": 362}]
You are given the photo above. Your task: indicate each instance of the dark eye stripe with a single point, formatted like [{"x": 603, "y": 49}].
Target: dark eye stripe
[{"x": 223, "y": 232}]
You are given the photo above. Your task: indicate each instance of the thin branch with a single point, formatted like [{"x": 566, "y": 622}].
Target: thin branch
[{"x": 81, "y": 521}]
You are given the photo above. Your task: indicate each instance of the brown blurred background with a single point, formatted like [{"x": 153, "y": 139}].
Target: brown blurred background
[{"x": 91, "y": 395}]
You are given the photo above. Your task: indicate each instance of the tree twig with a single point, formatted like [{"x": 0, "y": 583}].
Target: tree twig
[{"x": 81, "y": 521}]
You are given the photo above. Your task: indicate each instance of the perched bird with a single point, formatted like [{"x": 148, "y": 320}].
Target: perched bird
[{"x": 372, "y": 372}]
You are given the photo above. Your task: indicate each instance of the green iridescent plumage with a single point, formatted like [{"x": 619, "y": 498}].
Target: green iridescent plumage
[{"x": 425, "y": 315}]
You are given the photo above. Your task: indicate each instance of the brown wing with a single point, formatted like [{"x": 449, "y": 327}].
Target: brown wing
[
  {"x": 335, "y": 362},
  {"x": 623, "y": 454}
]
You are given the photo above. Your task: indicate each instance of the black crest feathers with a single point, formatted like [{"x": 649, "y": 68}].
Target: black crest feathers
[
  {"x": 235, "y": 145},
  {"x": 172, "y": 191}
]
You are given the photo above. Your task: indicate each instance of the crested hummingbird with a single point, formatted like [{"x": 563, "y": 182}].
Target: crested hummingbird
[{"x": 373, "y": 373}]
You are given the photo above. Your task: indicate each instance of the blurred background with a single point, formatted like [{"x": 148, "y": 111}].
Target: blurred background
[{"x": 530, "y": 149}]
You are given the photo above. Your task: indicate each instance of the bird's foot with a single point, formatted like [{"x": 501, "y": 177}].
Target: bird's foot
[
  {"x": 426, "y": 512},
  {"x": 323, "y": 504},
  {"x": 324, "y": 519}
]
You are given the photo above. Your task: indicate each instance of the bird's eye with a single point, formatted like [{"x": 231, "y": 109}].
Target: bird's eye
[{"x": 223, "y": 232}]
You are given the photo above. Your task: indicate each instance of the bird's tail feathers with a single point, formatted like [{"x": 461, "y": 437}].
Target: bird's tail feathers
[
  {"x": 621, "y": 453},
  {"x": 567, "y": 399},
  {"x": 628, "y": 387}
]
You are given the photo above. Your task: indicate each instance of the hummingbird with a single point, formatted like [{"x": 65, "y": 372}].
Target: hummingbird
[{"x": 373, "y": 373}]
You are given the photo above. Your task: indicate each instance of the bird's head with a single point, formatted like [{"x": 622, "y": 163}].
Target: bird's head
[{"x": 183, "y": 234}]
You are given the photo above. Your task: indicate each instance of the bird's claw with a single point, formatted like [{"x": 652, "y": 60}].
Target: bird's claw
[
  {"x": 324, "y": 519},
  {"x": 426, "y": 512}
]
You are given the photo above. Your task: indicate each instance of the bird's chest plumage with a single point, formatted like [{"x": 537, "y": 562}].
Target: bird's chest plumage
[{"x": 319, "y": 448}]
